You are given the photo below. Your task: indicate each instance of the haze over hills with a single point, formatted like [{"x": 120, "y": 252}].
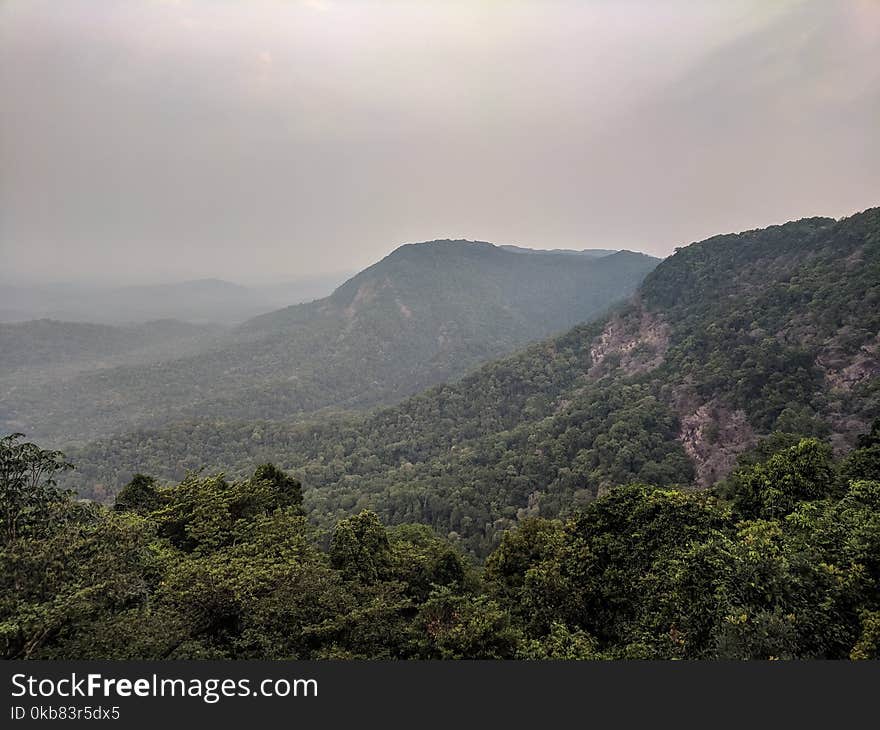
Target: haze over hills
[
  {"x": 201, "y": 301},
  {"x": 45, "y": 346},
  {"x": 426, "y": 313},
  {"x": 211, "y": 450},
  {"x": 728, "y": 341}
]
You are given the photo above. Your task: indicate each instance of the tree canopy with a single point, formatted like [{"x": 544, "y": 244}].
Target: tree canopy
[{"x": 780, "y": 561}]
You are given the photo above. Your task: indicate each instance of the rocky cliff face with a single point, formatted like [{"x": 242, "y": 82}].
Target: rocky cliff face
[{"x": 631, "y": 343}]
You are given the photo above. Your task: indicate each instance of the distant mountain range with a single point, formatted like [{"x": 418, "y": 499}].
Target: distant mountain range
[
  {"x": 742, "y": 341},
  {"x": 427, "y": 313},
  {"x": 202, "y": 301}
]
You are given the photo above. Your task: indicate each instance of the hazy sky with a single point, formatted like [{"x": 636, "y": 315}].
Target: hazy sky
[{"x": 149, "y": 139}]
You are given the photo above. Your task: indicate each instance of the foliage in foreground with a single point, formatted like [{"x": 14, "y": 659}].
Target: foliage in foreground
[{"x": 780, "y": 561}]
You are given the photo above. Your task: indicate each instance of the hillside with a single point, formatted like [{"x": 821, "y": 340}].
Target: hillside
[
  {"x": 39, "y": 354},
  {"x": 726, "y": 341},
  {"x": 425, "y": 314},
  {"x": 47, "y": 344}
]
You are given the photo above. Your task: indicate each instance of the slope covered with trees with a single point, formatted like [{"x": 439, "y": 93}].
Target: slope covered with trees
[
  {"x": 767, "y": 332},
  {"x": 425, "y": 314},
  {"x": 36, "y": 355},
  {"x": 28, "y": 349}
]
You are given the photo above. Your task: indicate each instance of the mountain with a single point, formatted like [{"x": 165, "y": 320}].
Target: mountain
[
  {"x": 737, "y": 341},
  {"x": 425, "y": 314}
]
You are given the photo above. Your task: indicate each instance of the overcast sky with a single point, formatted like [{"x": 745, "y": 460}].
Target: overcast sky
[{"x": 145, "y": 139}]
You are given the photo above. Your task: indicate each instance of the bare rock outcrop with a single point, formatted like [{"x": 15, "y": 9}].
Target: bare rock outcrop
[
  {"x": 844, "y": 372},
  {"x": 713, "y": 436},
  {"x": 634, "y": 342}
]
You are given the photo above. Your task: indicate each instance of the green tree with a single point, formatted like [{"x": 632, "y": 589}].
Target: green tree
[
  {"x": 453, "y": 626},
  {"x": 774, "y": 488},
  {"x": 289, "y": 489},
  {"x": 28, "y": 490},
  {"x": 360, "y": 548},
  {"x": 139, "y": 495}
]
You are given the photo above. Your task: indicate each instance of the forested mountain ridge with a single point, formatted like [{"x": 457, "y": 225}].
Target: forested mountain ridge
[
  {"x": 426, "y": 313},
  {"x": 448, "y": 280},
  {"x": 727, "y": 341},
  {"x": 777, "y": 327}
]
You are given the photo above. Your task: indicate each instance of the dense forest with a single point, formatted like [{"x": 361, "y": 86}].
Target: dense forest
[
  {"x": 425, "y": 314},
  {"x": 780, "y": 560},
  {"x": 770, "y": 331}
]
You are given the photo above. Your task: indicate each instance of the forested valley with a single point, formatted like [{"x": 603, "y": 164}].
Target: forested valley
[
  {"x": 425, "y": 314},
  {"x": 768, "y": 333},
  {"x": 781, "y": 560},
  {"x": 693, "y": 474}
]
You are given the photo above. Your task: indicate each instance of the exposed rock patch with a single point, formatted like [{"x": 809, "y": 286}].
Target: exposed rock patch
[
  {"x": 366, "y": 292},
  {"x": 844, "y": 372},
  {"x": 713, "y": 436},
  {"x": 635, "y": 342}
]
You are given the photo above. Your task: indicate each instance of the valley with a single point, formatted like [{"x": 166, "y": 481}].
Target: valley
[
  {"x": 427, "y": 313},
  {"x": 724, "y": 344}
]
